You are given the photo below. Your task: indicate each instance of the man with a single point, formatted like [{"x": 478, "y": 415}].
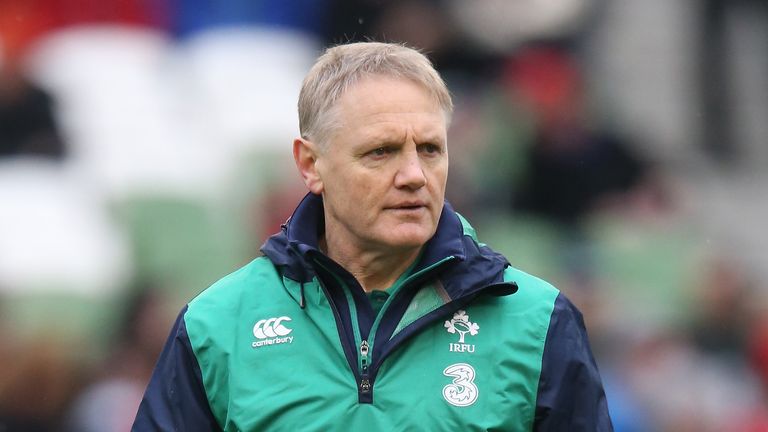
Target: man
[{"x": 376, "y": 308}]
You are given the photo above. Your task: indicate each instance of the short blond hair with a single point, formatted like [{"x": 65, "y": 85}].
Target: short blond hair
[{"x": 342, "y": 66}]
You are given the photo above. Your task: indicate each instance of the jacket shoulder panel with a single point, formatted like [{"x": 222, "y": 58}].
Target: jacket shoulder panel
[
  {"x": 221, "y": 318},
  {"x": 532, "y": 292},
  {"x": 175, "y": 398},
  {"x": 571, "y": 395},
  {"x": 528, "y": 313},
  {"x": 227, "y": 291}
]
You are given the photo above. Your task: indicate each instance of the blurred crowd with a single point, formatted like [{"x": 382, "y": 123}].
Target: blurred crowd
[{"x": 616, "y": 149}]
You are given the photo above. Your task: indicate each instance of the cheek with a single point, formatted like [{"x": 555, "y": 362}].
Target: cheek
[
  {"x": 438, "y": 178},
  {"x": 437, "y": 168},
  {"x": 354, "y": 194}
]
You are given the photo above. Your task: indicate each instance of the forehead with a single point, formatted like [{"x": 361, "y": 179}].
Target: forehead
[{"x": 382, "y": 105}]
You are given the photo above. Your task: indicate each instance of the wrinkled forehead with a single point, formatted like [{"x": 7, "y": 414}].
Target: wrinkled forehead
[
  {"x": 425, "y": 127},
  {"x": 375, "y": 97},
  {"x": 380, "y": 88},
  {"x": 380, "y": 97}
]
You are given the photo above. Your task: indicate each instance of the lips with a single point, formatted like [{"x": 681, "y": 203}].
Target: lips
[{"x": 408, "y": 205}]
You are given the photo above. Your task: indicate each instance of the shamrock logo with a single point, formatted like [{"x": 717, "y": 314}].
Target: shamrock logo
[{"x": 460, "y": 323}]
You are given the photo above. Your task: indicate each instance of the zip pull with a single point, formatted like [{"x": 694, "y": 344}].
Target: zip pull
[
  {"x": 365, "y": 383},
  {"x": 365, "y": 386},
  {"x": 364, "y": 351}
]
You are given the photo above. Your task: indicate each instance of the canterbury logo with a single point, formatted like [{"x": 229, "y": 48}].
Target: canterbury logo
[
  {"x": 271, "y": 327},
  {"x": 271, "y": 331}
]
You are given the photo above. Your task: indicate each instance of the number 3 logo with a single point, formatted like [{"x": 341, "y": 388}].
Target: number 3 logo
[{"x": 463, "y": 392}]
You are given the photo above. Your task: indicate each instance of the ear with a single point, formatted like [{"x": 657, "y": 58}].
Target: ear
[{"x": 305, "y": 154}]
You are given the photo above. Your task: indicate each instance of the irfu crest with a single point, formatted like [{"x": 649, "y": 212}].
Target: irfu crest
[{"x": 460, "y": 323}]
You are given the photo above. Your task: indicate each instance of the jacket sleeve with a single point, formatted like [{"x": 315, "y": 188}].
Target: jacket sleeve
[
  {"x": 570, "y": 395},
  {"x": 175, "y": 399}
]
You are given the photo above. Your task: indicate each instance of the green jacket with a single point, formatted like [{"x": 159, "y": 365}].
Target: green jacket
[{"x": 290, "y": 342}]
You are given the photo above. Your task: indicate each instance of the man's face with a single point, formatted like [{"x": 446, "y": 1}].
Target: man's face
[{"x": 384, "y": 171}]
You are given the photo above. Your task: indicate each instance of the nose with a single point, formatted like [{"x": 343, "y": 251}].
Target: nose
[{"x": 410, "y": 174}]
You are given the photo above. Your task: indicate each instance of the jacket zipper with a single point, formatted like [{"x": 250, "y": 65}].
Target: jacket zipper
[
  {"x": 365, "y": 382},
  {"x": 366, "y": 369},
  {"x": 361, "y": 371}
]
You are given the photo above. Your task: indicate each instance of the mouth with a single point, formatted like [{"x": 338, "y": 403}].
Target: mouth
[{"x": 407, "y": 206}]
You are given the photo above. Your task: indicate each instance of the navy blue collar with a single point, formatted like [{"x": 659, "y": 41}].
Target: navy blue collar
[{"x": 472, "y": 265}]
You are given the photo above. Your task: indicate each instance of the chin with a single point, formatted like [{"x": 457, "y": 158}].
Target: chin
[
  {"x": 408, "y": 239},
  {"x": 407, "y": 244}
]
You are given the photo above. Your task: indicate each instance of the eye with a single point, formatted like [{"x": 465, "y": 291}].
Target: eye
[
  {"x": 430, "y": 149},
  {"x": 380, "y": 152}
]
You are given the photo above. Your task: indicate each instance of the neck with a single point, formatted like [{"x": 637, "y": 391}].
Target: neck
[{"x": 373, "y": 269}]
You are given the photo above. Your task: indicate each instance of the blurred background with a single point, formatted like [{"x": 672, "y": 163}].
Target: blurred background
[{"x": 615, "y": 148}]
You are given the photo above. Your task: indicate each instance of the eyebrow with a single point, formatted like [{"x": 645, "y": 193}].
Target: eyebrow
[
  {"x": 394, "y": 135},
  {"x": 387, "y": 136},
  {"x": 434, "y": 138}
]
